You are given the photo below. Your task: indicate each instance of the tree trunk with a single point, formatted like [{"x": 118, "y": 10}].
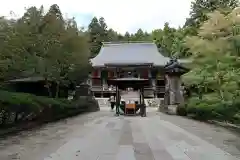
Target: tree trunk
[
  {"x": 16, "y": 117},
  {"x": 200, "y": 94},
  {"x": 47, "y": 85},
  {"x": 5, "y": 117},
  {"x": 57, "y": 90},
  {"x": 49, "y": 91}
]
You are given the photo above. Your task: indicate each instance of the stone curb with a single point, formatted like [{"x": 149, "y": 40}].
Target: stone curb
[
  {"x": 218, "y": 123},
  {"x": 226, "y": 125},
  {"x": 35, "y": 124}
]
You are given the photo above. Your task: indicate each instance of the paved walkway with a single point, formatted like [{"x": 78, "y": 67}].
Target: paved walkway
[{"x": 101, "y": 136}]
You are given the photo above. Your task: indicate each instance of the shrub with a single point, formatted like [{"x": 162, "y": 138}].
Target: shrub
[
  {"x": 182, "y": 110},
  {"x": 236, "y": 118},
  {"x": 27, "y": 107},
  {"x": 211, "y": 108}
]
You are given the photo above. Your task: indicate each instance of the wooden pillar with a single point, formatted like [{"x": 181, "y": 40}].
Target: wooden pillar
[
  {"x": 104, "y": 77},
  {"x": 143, "y": 106},
  {"x": 149, "y": 73},
  {"x": 117, "y": 94},
  {"x": 154, "y": 87},
  {"x": 139, "y": 96},
  {"x": 104, "y": 84},
  {"x": 101, "y": 80},
  {"x": 117, "y": 101}
]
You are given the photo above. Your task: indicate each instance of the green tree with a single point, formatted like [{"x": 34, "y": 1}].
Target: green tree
[
  {"x": 103, "y": 29},
  {"x": 215, "y": 57},
  {"x": 127, "y": 36},
  {"x": 164, "y": 39},
  {"x": 112, "y": 35},
  {"x": 68, "y": 52},
  {"x": 44, "y": 45},
  {"x": 215, "y": 72},
  {"x": 5, "y": 59},
  {"x": 200, "y": 9},
  {"x": 22, "y": 44},
  {"x": 75, "y": 43},
  {"x": 94, "y": 36},
  {"x": 139, "y": 35},
  {"x": 98, "y": 33}
]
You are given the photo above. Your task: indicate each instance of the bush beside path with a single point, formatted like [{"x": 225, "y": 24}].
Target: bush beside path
[{"x": 20, "y": 111}]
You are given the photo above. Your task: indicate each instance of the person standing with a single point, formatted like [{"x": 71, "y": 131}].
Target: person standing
[{"x": 112, "y": 102}]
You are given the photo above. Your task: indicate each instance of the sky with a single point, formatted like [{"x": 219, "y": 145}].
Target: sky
[{"x": 121, "y": 15}]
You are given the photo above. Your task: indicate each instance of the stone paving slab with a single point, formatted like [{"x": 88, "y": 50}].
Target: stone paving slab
[
  {"x": 177, "y": 153},
  {"x": 107, "y": 157},
  {"x": 140, "y": 139},
  {"x": 107, "y": 137},
  {"x": 125, "y": 152},
  {"x": 143, "y": 151},
  {"x": 162, "y": 155}
]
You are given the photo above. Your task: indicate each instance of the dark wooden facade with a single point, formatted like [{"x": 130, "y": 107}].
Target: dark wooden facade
[{"x": 100, "y": 76}]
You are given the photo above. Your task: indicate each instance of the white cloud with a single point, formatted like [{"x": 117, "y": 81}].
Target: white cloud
[{"x": 121, "y": 15}]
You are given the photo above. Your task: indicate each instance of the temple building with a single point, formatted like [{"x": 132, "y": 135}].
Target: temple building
[{"x": 124, "y": 59}]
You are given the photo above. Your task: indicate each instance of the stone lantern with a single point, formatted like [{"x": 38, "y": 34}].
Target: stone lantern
[{"x": 173, "y": 86}]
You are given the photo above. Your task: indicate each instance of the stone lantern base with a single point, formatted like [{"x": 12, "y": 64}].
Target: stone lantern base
[
  {"x": 172, "y": 109},
  {"x": 169, "y": 109}
]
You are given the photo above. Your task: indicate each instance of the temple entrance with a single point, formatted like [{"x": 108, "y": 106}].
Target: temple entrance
[
  {"x": 129, "y": 102},
  {"x": 130, "y": 96}
]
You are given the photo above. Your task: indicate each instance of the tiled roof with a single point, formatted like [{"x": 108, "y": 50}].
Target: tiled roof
[{"x": 129, "y": 53}]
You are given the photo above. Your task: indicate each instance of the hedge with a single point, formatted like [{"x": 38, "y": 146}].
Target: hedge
[
  {"x": 21, "y": 108},
  {"x": 213, "y": 109}
]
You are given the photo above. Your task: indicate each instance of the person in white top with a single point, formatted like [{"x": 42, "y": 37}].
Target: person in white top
[{"x": 112, "y": 102}]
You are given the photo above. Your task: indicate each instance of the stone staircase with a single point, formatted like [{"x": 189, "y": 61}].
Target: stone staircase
[
  {"x": 151, "y": 102},
  {"x": 130, "y": 95}
]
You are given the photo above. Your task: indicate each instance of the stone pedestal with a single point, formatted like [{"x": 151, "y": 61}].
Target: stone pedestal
[
  {"x": 176, "y": 96},
  {"x": 172, "y": 109},
  {"x": 173, "y": 96}
]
